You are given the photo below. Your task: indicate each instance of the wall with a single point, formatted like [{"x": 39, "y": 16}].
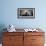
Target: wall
[{"x": 8, "y": 13}]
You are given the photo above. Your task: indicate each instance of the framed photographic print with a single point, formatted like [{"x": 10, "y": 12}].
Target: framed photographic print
[{"x": 26, "y": 13}]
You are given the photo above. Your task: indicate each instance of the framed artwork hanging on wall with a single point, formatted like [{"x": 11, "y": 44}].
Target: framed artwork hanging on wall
[{"x": 26, "y": 13}]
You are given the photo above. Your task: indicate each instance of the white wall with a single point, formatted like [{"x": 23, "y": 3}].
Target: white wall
[{"x": 9, "y": 13}]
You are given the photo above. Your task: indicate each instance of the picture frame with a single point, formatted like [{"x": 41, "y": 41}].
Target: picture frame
[{"x": 26, "y": 13}]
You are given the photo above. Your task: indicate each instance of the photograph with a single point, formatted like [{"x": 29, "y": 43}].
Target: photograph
[{"x": 26, "y": 12}]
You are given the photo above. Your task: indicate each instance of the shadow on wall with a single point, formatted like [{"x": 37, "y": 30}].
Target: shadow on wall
[{"x": 2, "y": 26}]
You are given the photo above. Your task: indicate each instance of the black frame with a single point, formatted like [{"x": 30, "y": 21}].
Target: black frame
[{"x": 26, "y": 13}]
